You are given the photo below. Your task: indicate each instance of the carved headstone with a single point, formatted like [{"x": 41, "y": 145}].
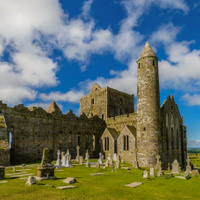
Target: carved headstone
[
  {"x": 97, "y": 165},
  {"x": 114, "y": 157},
  {"x": 195, "y": 172},
  {"x": 175, "y": 167},
  {"x": 81, "y": 160},
  {"x": 152, "y": 172},
  {"x": 169, "y": 167},
  {"x": 14, "y": 169},
  {"x": 145, "y": 174},
  {"x": 88, "y": 161},
  {"x": 117, "y": 162},
  {"x": 107, "y": 163},
  {"x": 100, "y": 159},
  {"x": 63, "y": 159},
  {"x": 68, "y": 164},
  {"x": 31, "y": 180},
  {"x": 45, "y": 158},
  {"x": 58, "y": 161}
]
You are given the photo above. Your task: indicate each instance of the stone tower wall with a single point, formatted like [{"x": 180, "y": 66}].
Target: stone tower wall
[{"x": 148, "y": 107}]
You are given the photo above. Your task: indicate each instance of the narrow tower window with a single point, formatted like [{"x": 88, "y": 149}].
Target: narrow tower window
[
  {"x": 177, "y": 140},
  {"x": 10, "y": 140},
  {"x": 138, "y": 65},
  {"x": 154, "y": 62},
  {"x": 172, "y": 135},
  {"x": 120, "y": 111},
  {"x": 92, "y": 101},
  {"x": 167, "y": 139}
]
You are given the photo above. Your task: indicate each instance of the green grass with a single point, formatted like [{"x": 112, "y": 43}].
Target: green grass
[{"x": 107, "y": 186}]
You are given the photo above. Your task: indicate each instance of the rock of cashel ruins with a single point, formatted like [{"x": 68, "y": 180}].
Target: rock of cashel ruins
[{"x": 107, "y": 123}]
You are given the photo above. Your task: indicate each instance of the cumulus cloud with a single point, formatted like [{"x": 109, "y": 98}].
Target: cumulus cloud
[
  {"x": 70, "y": 96},
  {"x": 192, "y": 99},
  {"x": 29, "y": 30}
]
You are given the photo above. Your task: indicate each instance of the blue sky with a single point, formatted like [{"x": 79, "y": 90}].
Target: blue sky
[{"x": 56, "y": 50}]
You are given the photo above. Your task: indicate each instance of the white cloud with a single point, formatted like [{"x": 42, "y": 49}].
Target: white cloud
[
  {"x": 192, "y": 99},
  {"x": 70, "y": 96},
  {"x": 29, "y": 30},
  {"x": 193, "y": 143}
]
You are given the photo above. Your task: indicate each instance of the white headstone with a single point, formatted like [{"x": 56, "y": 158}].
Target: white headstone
[
  {"x": 86, "y": 155},
  {"x": 114, "y": 156},
  {"x": 63, "y": 160},
  {"x": 145, "y": 174},
  {"x": 152, "y": 172},
  {"x": 100, "y": 161},
  {"x": 175, "y": 167},
  {"x": 68, "y": 164}
]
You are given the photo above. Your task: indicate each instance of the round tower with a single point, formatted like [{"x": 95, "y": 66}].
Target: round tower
[{"x": 148, "y": 107}]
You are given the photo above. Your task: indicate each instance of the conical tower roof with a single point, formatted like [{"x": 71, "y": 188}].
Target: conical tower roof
[
  {"x": 53, "y": 108},
  {"x": 147, "y": 51}
]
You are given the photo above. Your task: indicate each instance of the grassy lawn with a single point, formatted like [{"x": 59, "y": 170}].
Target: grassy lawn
[{"x": 110, "y": 185}]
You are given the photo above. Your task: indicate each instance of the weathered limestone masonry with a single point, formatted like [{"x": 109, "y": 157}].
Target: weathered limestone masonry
[
  {"x": 33, "y": 129},
  {"x": 173, "y": 134},
  {"x": 148, "y": 107},
  {"x": 106, "y": 102},
  {"x": 4, "y": 147}
]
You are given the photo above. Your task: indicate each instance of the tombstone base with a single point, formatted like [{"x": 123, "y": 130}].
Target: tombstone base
[
  {"x": 2, "y": 172},
  {"x": 46, "y": 172}
]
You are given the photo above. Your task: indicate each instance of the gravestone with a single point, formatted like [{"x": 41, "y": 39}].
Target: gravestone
[
  {"x": 158, "y": 160},
  {"x": 81, "y": 160},
  {"x": 78, "y": 154},
  {"x": 107, "y": 163},
  {"x": 97, "y": 165},
  {"x": 195, "y": 172},
  {"x": 46, "y": 169},
  {"x": 100, "y": 159},
  {"x": 117, "y": 162},
  {"x": 63, "y": 159},
  {"x": 14, "y": 169},
  {"x": 114, "y": 156},
  {"x": 58, "y": 162},
  {"x": 175, "y": 167},
  {"x": 88, "y": 161},
  {"x": 110, "y": 162},
  {"x": 31, "y": 180},
  {"x": 70, "y": 180},
  {"x": 86, "y": 154},
  {"x": 68, "y": 164},
  {"x": 145, "y": 174},
  {"x": 160, "y": 171},
  {"x": 188, "y": 167},
  {"x": 152, "y": 172},
  {"x": 2, "y": 172},
  {"x": 169, "y": 167}
]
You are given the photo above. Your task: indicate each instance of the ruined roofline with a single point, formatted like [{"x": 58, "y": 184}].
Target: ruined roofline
[{"x": 119, "y": 91}]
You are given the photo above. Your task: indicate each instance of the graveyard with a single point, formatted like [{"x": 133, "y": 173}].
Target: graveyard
[{"x": 85, "y": 178}]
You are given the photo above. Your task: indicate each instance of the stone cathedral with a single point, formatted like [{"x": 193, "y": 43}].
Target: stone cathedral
[{"x": 107, "y": 123}]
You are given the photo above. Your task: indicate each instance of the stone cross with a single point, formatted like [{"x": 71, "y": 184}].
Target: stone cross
[
  {"x": 158, "y": 159},
  {"x": 160, "y": 172},
  {"x": 175, "y": 167},
  {"x": 100, "y": 159},
  {"x": 86, "y": 155},
  {"x": 58, "y": 162},
  {"x": 188, "y": 167}
]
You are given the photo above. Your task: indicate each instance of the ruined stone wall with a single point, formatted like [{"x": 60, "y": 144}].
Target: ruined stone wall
[
  {"x": 127, "y": 155},
  {"x": 34, "y": 129},
  {"x": 4, "y": 157},
  {"x": 95, "y": 103},
  {"x": 120, "y": 121},
  {"x": 173, "y": 134},
  {"x": 119, "y": 103}
]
